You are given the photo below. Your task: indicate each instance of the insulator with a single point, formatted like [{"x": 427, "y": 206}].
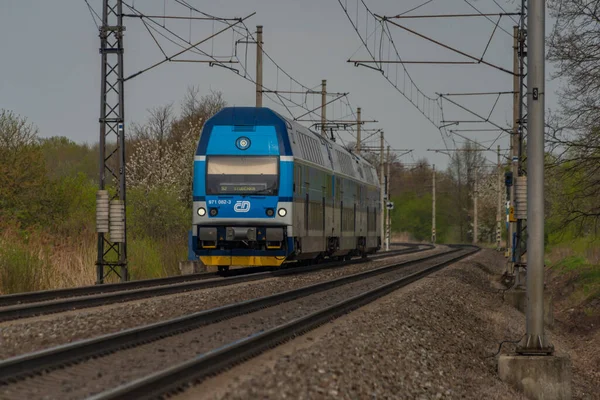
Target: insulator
[
  {"x": 102, "y": 211},
  {"x": 117, "y": 221},
  {"x": 521, "y": 198}
]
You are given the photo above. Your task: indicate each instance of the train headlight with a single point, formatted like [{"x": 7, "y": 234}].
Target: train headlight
[
  {"x": 282, "y": 212},
  {"x": 201, "y": 212},
  {"x": 213, "y": 212},
  {"x": 270, "y": 212}
]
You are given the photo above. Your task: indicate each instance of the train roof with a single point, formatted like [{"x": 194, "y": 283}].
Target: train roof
[{"x": 288, "y": 129}]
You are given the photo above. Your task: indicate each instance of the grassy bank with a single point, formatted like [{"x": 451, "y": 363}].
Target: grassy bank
[
  {"x": 36, "y": 262},
  {"x": 575, "y": 268}
]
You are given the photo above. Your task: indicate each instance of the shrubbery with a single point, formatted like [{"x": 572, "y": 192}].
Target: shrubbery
[{"x": 48, "y": 199}]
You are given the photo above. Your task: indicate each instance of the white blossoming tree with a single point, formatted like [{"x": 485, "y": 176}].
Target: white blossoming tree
[{"x": 163, "y": 148}]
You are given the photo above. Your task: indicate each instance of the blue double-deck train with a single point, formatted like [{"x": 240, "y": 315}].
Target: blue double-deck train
[{"x": 268, "y": 190}]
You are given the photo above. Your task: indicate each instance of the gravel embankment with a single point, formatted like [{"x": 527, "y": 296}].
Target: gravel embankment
[
  {"x": 23, "y": 336},
  {"x": 96, "y": 375},
  {"x": 433, "y": 339}
]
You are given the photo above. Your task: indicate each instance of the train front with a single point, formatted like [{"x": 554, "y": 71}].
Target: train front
[{"x": 242, "y": 187}]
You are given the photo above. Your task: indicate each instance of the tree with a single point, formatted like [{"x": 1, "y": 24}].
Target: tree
[
  {"x": 196, "y": 110},
  {"x": 574, "y": 47},
  {"x": 573, "y": 135},
  {"x": 163, "y": 147},
  {"x": 65, "y": 158},
  {"x": 22, "y": 168},
  {"x": 464, "y": 166}
]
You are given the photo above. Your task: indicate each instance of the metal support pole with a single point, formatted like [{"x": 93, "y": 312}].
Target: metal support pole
[
  {"x": 519, "y": 246},
  {"x": 112, "y": 249},
  {"x": 499, "y": 210},
  {"x": 514, "y": 139},
  {"x": 259, "y": 65},
  {"x": 535, "y": 341},
  {"x": 323, "y": 106},
  {"x": 433, "y": 211},
  {"x": 475, "y": 220},
  {"x": 382, "y": 188},
  {"x": 358, "y": 127},
  {"x": 387, "y": 189}
]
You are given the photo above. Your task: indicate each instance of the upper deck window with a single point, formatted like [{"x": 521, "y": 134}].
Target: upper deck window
[{"x": 242, "y": 175}]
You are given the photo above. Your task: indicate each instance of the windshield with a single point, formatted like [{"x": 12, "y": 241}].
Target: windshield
[{"x": 242, "y": 175}]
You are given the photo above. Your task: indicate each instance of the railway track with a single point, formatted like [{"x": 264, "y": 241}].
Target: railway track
[
  {"x": 52, "y": 301},
  {"x": 300, "y": 310},
  {"x": 55, "y": 294}
]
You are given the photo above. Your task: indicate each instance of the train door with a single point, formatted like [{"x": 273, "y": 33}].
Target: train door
[
  {"x": 342, "y": 218},
  {"x": 306, "y": 213},
  {"x": 354, "y": 227},
  {"x": 323, "y": 213}
]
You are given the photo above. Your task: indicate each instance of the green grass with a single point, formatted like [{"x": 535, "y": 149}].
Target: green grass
[
  {"x": 569, "y": 258},
  {"x": 590, "y": 281},
  {"x": 21, "y": 270},
  {"x": 571, "y": 263},
  {"x": 150, "y": 258}
]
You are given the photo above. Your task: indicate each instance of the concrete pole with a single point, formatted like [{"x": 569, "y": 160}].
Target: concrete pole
[
  {"x": 433, "y": 233},
  {"x": 259, "y": 65},
  {"x": 387, "y": 189},
  {"x": 475, "y": 220},
  {"x": 535, "y": 340},
  {"x": 381, "y": 194},
  {"x": 499, "y": 210},
  {"x": 358, "y": 127},
  {"x": 323, "y": 107}
]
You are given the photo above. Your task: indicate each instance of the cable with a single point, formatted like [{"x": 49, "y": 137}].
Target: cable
[
  {"x": 415, "y": 8},
  {"x": 385, "y": 33},
  {"x": 488, "y": 18},
  {"x": 501, "y": 343},
  {"x": 156, "y": 30},
  {"x": 94, "y": 14},
  {"x": 428, "y": 106},
  {"x": 154, "y": 27},
  {"x": 504, "y": 11}
]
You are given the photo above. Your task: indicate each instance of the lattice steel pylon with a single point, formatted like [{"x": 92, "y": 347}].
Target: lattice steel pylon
[{"x": 110, "y": 213}]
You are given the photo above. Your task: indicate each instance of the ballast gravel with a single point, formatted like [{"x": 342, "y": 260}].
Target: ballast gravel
[
  {"x": 31, "y": 334},
  {"x": 434, "y": 339},
  {"x": 95, "y": 375}
]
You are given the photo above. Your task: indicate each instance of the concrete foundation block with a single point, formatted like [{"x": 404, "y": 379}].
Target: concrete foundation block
[
  {"x": 518, "y": 299},
  {"x": 538, "y": 377},
  {"x": 191, "y": 267}
]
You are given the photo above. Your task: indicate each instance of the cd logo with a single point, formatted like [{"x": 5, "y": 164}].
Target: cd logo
[
  {"x": 241, "y": 206},
  {"x": 242, "y": 143}
]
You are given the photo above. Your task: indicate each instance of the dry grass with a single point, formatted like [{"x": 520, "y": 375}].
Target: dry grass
[
  {"x": 74, "y": 261},
  {"x": 33, "y": 261},
  {"x": 36, "y": 261},
  {"x": 401, "y": 237}
]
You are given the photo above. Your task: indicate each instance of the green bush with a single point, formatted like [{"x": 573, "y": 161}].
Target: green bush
[
  {"x": 68, "y": 205},
  {"x": 65, "y": 158},
  {"x": 157, "y": 214},
  {"x": 150, "y": 258}
]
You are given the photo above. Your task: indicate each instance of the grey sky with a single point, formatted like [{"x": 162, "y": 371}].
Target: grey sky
[{"x": 51, "y": 66}]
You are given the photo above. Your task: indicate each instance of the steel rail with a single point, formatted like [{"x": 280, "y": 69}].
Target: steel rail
[
  {"x": 43, "y": 360},
  {"x": 94, "y": 300},
  {"x": 173, "y": 379},
  {"x": 55, "y": 294}
]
